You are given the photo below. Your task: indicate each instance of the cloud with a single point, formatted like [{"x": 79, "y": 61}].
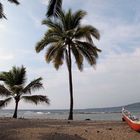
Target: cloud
[
  {"x": 5, "y": 55},
  {"x": 2, "y": 27},
  {"x": 45, "y": 2}
]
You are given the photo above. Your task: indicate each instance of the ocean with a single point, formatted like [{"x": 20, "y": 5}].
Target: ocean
[{"x": 79, "y": 114}]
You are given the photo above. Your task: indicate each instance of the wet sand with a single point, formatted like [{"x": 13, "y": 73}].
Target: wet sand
[{"x": 39, "y": 129}]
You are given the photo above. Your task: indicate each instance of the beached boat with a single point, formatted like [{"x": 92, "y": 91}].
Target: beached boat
[{"x": 131, "y": 120}]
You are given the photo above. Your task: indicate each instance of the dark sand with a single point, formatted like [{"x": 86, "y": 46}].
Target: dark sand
[{"x": 39, "y": 129}]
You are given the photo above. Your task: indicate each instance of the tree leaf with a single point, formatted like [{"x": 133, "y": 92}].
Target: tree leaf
[
  {"x": 4, "y": 103},
  {"x": 14, "y": 1},
  {"x": 33, "y": 86},
  {"x": 54, "y": 8},
  {"x": 36, "y": 99},
  {"x": 4, "y": 91}
]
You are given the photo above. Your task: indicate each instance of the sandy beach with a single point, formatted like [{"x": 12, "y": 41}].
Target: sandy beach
[{"x": 39, "y": 129}]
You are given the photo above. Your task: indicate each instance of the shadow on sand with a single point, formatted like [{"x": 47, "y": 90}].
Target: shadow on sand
[{"x": 60, "y": 136}]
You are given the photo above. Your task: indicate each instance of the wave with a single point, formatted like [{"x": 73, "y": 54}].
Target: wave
[
  {"x": 40, "y": 113},
  {"x": 97, "y": 112}
]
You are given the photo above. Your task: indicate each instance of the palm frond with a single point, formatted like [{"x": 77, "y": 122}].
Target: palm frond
[
  {"x": 53, "y": 35},
  {"x": 33, "y": 86},
  {"x": 93, "y": 31},
  {"x": 14, "y": 1},
  {"x": 62, "y": 18},
  {"x": 41, "y": 44},
  {"x": 48, "y": 22},
  {"x": 36, "y": 99},
  {"x": 90, "y": 47},
  {"x": 4, "y": 91},
  {"x": 85, "y": 32},
  {"x": 68, "y": 20},
  {"x": 4, "y": 103},
  {"x": 7, "y": 78},
  {"x": 58, "y": 58},
  {"x": 89, "y": 51},
  {"x": 44, "y": 42},
  {"x": 77, "y": 17},
  {"x": 53, "y": 26},
  {"x": 52, "y": 51},
  {"x": 2, "y": 76},
  {"x": 2, "y": 15},
  {"x": 54, "y": 8},
  {"x": 78, "y": 57}
]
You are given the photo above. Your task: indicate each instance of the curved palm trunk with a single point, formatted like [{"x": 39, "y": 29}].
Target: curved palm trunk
[
  {"x": 70, "y": 84},
  {"x": 16, "y": 108}
]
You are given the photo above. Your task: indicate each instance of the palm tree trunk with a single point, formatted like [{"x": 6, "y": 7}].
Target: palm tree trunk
[
  {"x": 70, "y": 85},
  {"x": 16, "y": 107}
]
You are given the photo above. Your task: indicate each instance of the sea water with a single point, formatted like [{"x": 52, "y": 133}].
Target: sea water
[{"x": 79, "y": 114}]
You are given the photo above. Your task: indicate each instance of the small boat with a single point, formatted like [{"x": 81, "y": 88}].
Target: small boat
[{"x": 131, "y": 120}]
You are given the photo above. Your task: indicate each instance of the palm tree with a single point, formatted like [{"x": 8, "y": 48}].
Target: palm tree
[
  {"x": 14, "y": 81},
  {"x": 2, "y": 15},
  {"x": 54, "y": 8},
  {"x": 66, "y": 36}
]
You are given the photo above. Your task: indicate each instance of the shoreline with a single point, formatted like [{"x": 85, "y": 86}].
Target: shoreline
[{"x": 44, "y": 129}]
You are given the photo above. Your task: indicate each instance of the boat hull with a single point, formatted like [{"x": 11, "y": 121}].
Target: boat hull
[{"x": 133, "y": 124}]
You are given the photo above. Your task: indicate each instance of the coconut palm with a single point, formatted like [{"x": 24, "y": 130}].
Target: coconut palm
[
  {"x": 66, "y": 36},
  {"x": 54, "y": 8},
  {"x": 2, "y": 15},
  {"x": 14, "y": 88}
]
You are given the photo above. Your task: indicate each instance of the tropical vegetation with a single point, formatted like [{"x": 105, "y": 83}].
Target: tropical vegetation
[
  {"x": 66, "y": 38},
  {"x": 14, "y": 88}
]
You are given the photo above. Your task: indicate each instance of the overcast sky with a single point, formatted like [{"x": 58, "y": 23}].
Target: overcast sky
[{"x": 116, "y": 79}]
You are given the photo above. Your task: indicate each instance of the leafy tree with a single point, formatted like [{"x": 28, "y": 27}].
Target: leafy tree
[
  {"x": 66, "y": 36},
  {"x": 2, "y": 15},
  {"x": 14, "y": 88}
]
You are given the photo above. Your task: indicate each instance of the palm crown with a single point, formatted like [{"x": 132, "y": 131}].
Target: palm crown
[
  {"x": 66, "y": 32},
  {"x": 14, "y": 88}
]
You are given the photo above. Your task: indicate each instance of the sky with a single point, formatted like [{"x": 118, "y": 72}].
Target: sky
[{"x": 116, "y": 79}]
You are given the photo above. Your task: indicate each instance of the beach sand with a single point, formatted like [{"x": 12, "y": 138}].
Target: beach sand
[{"x": 39, "y": 129}]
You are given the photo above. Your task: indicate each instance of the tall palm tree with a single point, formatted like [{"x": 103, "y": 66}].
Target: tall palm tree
[
  {"x": 66, "y": 36},
  {"x": 54, "y": 8},
  {"x": 14, "y": 88},
  {"x": 2, "y": 15}
]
